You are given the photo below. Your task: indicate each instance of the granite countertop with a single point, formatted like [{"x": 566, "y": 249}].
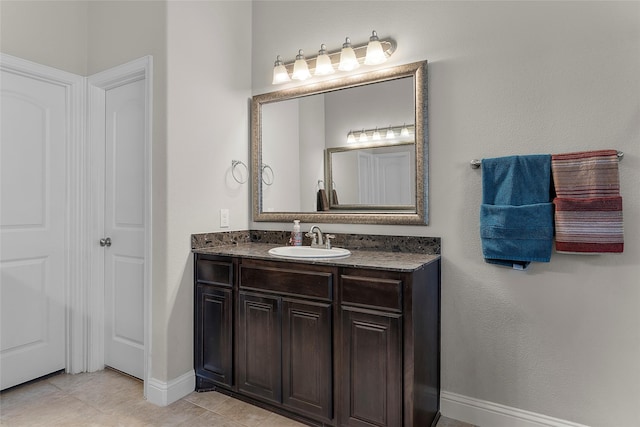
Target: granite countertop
[{"x": 382, "y": 260}]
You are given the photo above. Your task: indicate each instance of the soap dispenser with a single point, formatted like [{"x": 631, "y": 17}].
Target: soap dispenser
[{"x": 296, "y": 235}]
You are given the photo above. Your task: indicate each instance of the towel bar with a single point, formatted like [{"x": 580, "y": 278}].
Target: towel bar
[{"x": 475, "y": 163}]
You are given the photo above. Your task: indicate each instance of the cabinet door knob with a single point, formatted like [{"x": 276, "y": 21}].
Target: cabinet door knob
[{"x": 105, "y": 242}]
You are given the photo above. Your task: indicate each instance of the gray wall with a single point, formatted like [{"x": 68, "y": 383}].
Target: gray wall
[
  {"x": 47, "y": 32},
  {"x": 510, "y": 78}
]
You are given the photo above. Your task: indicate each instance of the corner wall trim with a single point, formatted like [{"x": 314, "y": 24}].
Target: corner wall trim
[
  {"x": 165, "y": 393},
  {"x": 484, "y": 414}
]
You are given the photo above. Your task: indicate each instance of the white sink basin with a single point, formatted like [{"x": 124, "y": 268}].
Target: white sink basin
[{"x": 308, "y": 252}]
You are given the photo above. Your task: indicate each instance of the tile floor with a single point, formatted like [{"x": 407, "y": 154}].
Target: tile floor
[{"x": 108, "y": 398}]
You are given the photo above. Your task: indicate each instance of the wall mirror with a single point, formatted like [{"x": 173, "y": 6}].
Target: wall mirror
[{"x": 349, "y": 150}]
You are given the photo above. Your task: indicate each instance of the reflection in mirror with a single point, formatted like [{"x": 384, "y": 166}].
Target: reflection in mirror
[
  {"x": 371, "y": 177},
  {"x": 302, "y": 133}
]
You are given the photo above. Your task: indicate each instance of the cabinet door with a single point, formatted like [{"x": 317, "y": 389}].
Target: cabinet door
[
  {"x": 306, "y": 357},
  {"x": 214, "y": 335},
  {"x": 259, "y": 346},
  {"x": 371, "y": 368}
]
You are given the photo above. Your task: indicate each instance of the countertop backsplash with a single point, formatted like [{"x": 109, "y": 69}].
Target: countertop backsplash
[{"x": 363, "y": 242}]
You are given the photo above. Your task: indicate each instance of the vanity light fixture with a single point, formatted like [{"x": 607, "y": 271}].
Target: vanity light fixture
[
  {"x": 390, "y": 133},
  {"x": 375, "y": 54},
  {"x": 300, "y": 67},
  {"x": 351, "y": 138},
  {"x": 323, "y": 62},
  {"x": 280, "y": 74},
  {"x": 400, "y": 134},
  {"x": 347, "y": 58},
  {"x": 363, "y": 136}
]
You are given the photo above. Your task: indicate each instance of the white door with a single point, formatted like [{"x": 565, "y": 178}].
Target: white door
[
  {"x": 385, "y": 178},
  {"x": 124, "y": 217},
  {"x": 32, "y": 227},
  {"x": 365, "y": 179},
  {"x": 393, "y": 173}
]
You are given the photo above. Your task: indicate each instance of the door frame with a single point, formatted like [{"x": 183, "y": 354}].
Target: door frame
[
  {"x": 97, "y": 85},
  {"x": 75, "y": 242}
]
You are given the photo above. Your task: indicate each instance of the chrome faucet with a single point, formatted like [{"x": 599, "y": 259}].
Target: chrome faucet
[{"x": 317, "y": 241}]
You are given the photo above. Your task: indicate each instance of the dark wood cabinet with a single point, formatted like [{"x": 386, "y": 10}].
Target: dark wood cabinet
[
  {"x": 390, "y": 326},
  {"x": 307, "y": 352},
  {"x": 285, "y": 336},
  {"x": 371, "y": 368},
  {"x": 213, "y": 323},
  {"x": 326, "y": 345},
  {"x": 259, "y": 346}
]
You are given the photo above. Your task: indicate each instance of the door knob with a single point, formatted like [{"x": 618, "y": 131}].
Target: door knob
[{"x": 105, "y": 242}]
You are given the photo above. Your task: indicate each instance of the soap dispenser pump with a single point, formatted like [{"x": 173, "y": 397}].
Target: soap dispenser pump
[{"x": 296, "y": 235}]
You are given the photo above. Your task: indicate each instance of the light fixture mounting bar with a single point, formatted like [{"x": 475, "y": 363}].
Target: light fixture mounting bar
[{"x": 388, "y": 46}]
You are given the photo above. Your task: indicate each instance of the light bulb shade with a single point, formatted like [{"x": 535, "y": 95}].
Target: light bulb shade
[
  {"x": 375, "y": 53},
  {"x": 324, "y": 66},
  {"x": 351, "y": 138},
  {"x": 323, "y": 63},
  {"x": 363, "y": 136},
  {"x": 280, "y": 74},
  {"x": 390, "y": 133},
  {"x": 376, "y": 135},
  {"x": 300, "y": 68},
  {"x": 348, "y": 60},
  {"x": 404, "y": 131}
]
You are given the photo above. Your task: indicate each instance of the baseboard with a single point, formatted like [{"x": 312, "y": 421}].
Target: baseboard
[
  {"x": 165, "y": 393},
  {"x": 488, "y": 414}
]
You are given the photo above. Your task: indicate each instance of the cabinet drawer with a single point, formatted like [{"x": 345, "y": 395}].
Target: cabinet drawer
[
  {"x": 213, "y": 271},
  {"x": 372, "y": 292},
  {"x": 288, "y": 281}
]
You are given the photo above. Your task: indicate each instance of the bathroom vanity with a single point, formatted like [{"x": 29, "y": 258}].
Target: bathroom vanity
[{"x": 336, "y": 342}]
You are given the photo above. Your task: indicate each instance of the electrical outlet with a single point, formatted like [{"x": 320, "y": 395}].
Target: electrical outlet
[{"x": 224, "y": 218}]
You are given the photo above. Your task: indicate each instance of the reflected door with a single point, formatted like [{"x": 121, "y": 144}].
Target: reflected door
[
  {"x": 384, "y": 178},
  {"x": 393, "y": 174}
]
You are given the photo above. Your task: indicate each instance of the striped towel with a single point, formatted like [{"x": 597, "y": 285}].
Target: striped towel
[{"x": 588, "y": 206}]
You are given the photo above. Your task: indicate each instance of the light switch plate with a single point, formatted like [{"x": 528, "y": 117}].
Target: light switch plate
[{"x": 224, "y": 218}]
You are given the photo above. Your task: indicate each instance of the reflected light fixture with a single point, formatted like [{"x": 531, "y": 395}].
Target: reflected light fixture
[
  {"x": 280, "y": 74},
  {"x": 348, "y": 60},
  {"x": 323, "y": 62},
  {"x": 399, "y": 134},
  {"x": 390, "y": 133},
  {"x": 300, "y": 67},
  {"x": 351, "y": 138},
  {"x": 375, "y": 54}
]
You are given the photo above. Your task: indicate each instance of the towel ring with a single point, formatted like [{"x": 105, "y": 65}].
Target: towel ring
[
  {"x": 269, "y": 180},
  {"x": 234, "y": 165}
]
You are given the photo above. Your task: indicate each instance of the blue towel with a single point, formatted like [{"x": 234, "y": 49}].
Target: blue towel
[{"x": 516, "y": 216}]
